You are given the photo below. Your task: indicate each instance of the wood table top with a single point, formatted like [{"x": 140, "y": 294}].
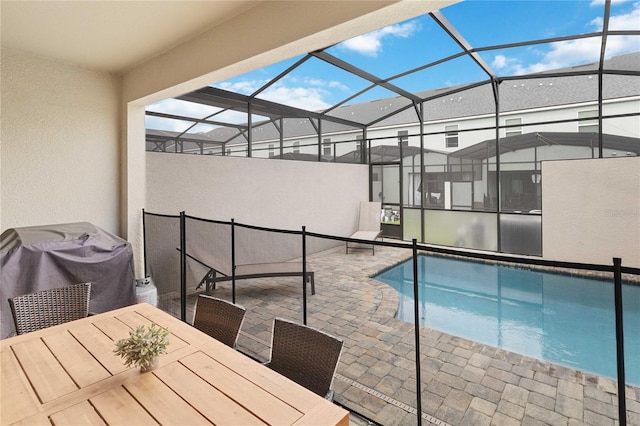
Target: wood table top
[{"x": 68, "y": 374}]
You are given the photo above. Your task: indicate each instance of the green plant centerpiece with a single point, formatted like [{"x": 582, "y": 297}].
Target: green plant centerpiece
[{"x": 143, "y": 346}]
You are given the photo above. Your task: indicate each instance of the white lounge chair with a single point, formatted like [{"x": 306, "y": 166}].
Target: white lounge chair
[{"x": 368, "y": 226}]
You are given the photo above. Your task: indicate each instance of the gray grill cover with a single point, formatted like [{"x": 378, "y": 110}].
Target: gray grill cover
[{"x": 43, "y": 257}]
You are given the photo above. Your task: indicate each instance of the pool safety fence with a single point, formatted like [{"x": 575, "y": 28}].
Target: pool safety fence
[{"x": 185, "y": 255}]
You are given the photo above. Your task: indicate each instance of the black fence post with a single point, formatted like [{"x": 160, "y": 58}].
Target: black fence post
[
  {"x": 183, "y": 267},
  {"x": 416, "y": 320},
  {"x": 622, "y": 401},
  {"x": 304, "y": 276},
  {"x": 233, "y": 261},
  {"x": 144, "y": 244}
]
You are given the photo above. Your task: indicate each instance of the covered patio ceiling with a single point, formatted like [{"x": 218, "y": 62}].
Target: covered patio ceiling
[{"x": 241, "y": 109}]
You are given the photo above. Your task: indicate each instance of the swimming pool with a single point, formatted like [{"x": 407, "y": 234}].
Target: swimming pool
[{"x": 562, "y": 319}]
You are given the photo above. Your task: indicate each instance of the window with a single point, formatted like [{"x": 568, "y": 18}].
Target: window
[
  {"x": 451, "y": 136},
  {"x": 271, "y": 150},
  {"x": 296, "y": 147},
  {"x": 326, "y": 146},
  {"x": 512, "y": 131},
  {"x": 588, "y": 126},
  {"x": 464, "y": 170},
  {"x": 403, "y": 138}
]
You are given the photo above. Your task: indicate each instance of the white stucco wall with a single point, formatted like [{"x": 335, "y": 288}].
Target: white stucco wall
[
  {"x": 591, "y": 210},
  {"x": 271, "y": 193},
  {"x": 60, "y": 143}
]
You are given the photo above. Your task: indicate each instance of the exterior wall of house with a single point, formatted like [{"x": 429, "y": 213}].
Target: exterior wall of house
[
  {"x": 278, "y": 194},
  {"x": 623, "y": 126},
  {"x": 60, "y": 143},
  {"x": 584, "y": 219}
]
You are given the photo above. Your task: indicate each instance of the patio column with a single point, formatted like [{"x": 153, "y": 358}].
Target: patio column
[{"x": 133, "y": 181}]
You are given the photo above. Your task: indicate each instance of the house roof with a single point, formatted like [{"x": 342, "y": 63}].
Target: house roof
[{"x": 515, "y": 95}]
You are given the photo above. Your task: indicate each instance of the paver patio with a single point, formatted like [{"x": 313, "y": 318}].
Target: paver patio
[{"x": 462, "y": 382}]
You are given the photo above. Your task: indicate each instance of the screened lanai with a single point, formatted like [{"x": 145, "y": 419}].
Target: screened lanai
[{"x": 454, "y": 114}]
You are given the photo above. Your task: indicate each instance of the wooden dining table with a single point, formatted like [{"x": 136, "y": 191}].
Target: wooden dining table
[{"x": 68, "y": 374}]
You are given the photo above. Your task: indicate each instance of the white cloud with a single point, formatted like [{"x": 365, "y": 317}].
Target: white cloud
[
  {"x": 571, "y": 52},
  {"x": 314, "y": 82},
  {"x": 630, "y": 21},
  {"x": 245, "y": 87},
  {"x": 568, "y": 53},
  {"x": 176, "y": 107},
  {"x": 371, "y": 44},
  {"x": 163, "y": 124},
  {"x": 368, "y": 44},
  {"x": 309, "y": 98},
  {"x": 308, "y": 93},
  {"x": 500, "y": 62},
  {"x": 338, "y": 85}
]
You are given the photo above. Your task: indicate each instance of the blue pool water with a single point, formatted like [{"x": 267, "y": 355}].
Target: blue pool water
[{"x": 563, "y": 319}]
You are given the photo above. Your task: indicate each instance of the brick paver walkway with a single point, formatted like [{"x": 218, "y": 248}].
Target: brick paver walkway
[{"x": 463, "y": 382}]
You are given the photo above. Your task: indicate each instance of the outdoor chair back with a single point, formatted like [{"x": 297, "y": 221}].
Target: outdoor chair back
[
  {"x": 305, "y": 355},
  {"x": 219, "y": 319},
  {"x": 46, "y": 308},
  {"x": 369, "y": 227}
]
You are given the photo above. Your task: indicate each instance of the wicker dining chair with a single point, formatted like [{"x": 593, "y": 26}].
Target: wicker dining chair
[
  {"x": 46, "y": 308},
  {"x": 219, "y": 319},
  {"x": 305, "y": 355}
]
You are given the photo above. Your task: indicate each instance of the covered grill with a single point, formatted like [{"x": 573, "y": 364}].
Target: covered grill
[{"x": 43, "y": 257}]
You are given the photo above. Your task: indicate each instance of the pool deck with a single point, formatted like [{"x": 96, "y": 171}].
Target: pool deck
[{"x": 462, "y": 382}]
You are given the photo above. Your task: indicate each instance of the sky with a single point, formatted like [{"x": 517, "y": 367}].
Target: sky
[{"x": 395, "y": 49}]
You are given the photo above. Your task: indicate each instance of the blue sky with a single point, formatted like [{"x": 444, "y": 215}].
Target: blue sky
[{"x": 397, "y": 48}]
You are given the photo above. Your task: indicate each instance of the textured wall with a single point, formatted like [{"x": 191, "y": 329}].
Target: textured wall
[
  {"x": 591, "y": 210},
  {"x": 272, "y": 193},
  {"x": 60, "y": 143}
]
